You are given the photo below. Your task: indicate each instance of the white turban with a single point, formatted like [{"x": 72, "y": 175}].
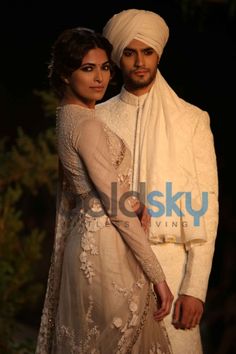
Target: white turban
[{"x": 145, "y": 26}]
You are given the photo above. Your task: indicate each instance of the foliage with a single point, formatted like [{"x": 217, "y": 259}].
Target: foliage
[
  {"x": 199, "y": 10},
  {"x": 28, "y": 171},
  {"x": 49, "y": 100}
]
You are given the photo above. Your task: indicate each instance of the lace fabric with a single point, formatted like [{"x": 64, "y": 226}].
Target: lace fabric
[
  {"x": 54, "y": 278},
  {"x": 99, "y": 295}
]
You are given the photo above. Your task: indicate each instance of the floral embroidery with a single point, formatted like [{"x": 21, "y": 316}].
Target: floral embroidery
[
  {"x": 88, "y": 239},
  {"x": 117, "y": 322},
  {"x": 125, "y": 178},
  {"x": 156, "y": 349},
  {"x": 66, "y": 335},
  {"x": 133, "y": 306},
  {"x": 85, "y": 345},
  {"x": 129, "y": 291},
  {"x": 89, "y": 247},
  {"x": 128, "y": 331},
  {"x": 139, "y": 324},
  {"x": 116, "y": 146},
  {"x": 95, "y": 205}
]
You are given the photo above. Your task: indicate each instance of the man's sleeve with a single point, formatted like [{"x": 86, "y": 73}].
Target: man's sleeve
[{"x": 200, "y": 257}]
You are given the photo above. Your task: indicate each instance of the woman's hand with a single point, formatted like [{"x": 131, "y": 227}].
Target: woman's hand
[{"x": 164, "y": 298}]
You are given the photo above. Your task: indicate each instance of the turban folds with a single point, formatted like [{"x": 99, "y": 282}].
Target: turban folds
[{"x": 145, "y": 26}]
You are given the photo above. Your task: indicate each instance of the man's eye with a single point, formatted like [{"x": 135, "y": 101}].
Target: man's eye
[
  {"x": 148, "y": 52},
  {"x": 128, "y": 53}
]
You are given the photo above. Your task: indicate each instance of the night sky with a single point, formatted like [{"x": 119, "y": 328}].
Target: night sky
[
  {"x": 199, "y": 65},
  {"x": 198, "y": 62}
]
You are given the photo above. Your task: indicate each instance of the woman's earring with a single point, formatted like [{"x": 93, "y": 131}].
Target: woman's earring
[{"x": 65, "y": 80}]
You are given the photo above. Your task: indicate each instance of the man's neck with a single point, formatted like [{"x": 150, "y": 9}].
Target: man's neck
[{"x": 139, "y": 91}]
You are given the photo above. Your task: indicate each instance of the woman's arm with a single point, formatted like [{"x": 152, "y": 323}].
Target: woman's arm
[{"x": 93, "y": 148}]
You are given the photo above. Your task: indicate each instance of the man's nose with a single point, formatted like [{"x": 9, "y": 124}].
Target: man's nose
[{"x": 139, "y": 59}]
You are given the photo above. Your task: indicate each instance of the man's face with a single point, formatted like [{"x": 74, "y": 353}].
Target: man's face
[{"x": 139, "y": 66}]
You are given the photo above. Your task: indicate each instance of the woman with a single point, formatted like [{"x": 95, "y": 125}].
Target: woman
[{"x": 99, "y": 296}]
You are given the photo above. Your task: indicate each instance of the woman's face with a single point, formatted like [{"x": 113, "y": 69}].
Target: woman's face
[{"x": 88, "y": 83}]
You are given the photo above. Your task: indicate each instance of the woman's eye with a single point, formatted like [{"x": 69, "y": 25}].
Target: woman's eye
[
  {"x": 107, "y": 67},
  {"x": 87, "y": 68}
]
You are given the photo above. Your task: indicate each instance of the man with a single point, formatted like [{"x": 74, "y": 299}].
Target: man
[{"x": 173, "y": 163}]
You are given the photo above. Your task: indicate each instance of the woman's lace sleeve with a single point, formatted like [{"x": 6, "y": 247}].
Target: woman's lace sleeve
[{"x": 93, "y": 149}]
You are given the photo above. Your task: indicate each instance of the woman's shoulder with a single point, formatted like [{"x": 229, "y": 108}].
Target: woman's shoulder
[
  {"x": 74, "y": 111},
  {"x": 92, "y": 124},
  {"x": 97, "y": 129},
  {"x": 72, "y": 117}
]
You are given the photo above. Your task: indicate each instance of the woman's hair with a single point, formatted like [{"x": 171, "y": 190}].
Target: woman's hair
[{"x": 68, "y": 52}]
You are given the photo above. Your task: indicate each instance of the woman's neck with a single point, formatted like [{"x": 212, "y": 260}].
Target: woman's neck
[{"x": 66, "y": 100}]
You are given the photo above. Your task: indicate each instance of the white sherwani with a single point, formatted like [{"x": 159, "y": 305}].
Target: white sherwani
[{"x": 187, "y": 271}]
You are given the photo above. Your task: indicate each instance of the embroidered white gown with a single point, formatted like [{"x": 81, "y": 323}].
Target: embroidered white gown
[{"x": 99, "y": 296}]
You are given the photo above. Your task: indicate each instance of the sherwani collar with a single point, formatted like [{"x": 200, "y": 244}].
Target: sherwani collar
[{"x": 132, "y": 99}]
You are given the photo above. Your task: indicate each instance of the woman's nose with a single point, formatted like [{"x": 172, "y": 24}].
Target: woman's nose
[{"x": 98, "y": 76}]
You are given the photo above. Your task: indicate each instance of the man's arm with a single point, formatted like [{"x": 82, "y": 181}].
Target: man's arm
[{"x": 189, "y": 305}]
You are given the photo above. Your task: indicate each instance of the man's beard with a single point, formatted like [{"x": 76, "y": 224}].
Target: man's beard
[{"x": 136, "y": 84}]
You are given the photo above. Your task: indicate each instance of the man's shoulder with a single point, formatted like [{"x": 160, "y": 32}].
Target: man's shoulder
[
  {"x": 192, "y": 107},
  {"x": 109, "y": 110},
  {"x": 194, "y": 113},
  {"x": 108, "y": 104}
]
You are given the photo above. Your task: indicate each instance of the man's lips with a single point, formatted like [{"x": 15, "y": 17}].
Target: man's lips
[{"x": 140, "y": 72}]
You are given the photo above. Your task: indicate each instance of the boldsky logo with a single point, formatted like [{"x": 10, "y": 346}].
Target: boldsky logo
[
  {"x": 159, "y": 203},
  {"x": 171, "y": 207}
]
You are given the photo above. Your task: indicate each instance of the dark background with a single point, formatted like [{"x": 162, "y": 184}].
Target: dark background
[{"x": 198, "y": 62}]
